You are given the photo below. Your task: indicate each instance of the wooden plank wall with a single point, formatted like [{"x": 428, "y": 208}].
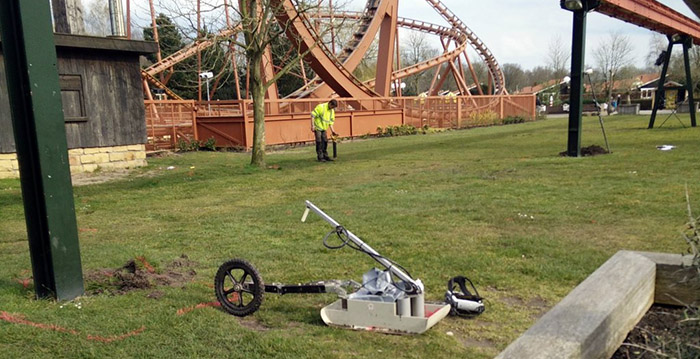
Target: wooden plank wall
[{"x": 113, "y": 95}]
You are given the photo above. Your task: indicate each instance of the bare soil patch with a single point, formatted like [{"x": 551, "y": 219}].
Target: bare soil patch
[
  {"x": 252, "y": 323},
  {"x": 138, "y": 274},
  {"x": 664, "y": 332},
  {"x": 593, "y": 150}
]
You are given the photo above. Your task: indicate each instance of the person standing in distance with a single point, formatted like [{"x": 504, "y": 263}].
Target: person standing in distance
[{"x": 322, "y": 119}]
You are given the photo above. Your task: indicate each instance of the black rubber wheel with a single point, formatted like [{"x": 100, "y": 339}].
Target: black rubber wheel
[{"x": 239, "y": 287}]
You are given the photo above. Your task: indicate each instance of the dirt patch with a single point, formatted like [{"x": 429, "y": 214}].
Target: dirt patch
[
  {"x": 84, "y": 179},
  {"x": 664, "y": 332},
  {"x": 476, "y": 343},
  {"x": 138, "y": 274},
  {"x": 252, "y": 323},
  {"x": 593, "y": 150},
  {"x": 513, "y": 301}
]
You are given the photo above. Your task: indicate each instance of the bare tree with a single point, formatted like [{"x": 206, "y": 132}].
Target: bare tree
[
  {"x": 515, "y": 77},
  {"x": 657, "y": 45},
  {"x": 558, "y": 56},
  {"x": 260, "y": 30},
  {"x": 611, "y": 56},
  {"x": 417, "y": 49}
]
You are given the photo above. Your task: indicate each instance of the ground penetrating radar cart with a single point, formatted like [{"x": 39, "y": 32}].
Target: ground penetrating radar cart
[{"x": 379, "y": 303}]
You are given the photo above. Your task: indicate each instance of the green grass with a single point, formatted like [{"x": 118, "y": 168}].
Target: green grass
[{"x": 495, "y": 204}]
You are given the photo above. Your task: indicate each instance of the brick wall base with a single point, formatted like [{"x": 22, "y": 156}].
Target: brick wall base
[{"x": 86, "y": 159}]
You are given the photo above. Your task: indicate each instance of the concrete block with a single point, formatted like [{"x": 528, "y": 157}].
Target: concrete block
[
  {"x": 74, "y": 160},
  {"x": 5, "y": 165},
  {"x": 136, "y": 148},
  {"x": 676, "y": 282},
  {"x": 90, "y": 167},
  {"x": 632, "y": 109},
  {"x": 117, "y": 156},
  {"x": 102, "y": 158},
  {"x": 6, "y": 174},
  {"x": 594, "y": 319},
  {"x": 685, "y": 107},
  {"x": 92, "y": 150},
  {"x": 87, "y": 159}
]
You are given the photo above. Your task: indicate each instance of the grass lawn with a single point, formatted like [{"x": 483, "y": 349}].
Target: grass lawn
[{"x": 496, "y": 204}]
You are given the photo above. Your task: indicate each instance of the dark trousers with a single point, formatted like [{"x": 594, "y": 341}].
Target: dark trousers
[{"x": 321, "y": 144}]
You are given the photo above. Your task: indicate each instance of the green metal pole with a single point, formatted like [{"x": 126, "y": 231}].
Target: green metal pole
[
  {"x": 689, "y": 84},
  {"x": 660, "y": 90},
  {"x": 578, "y": 51},
  {"x": 37, "y": 120}
]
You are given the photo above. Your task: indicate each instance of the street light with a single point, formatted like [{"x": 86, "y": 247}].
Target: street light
[
  {"x": 577, "y": 5},
  {"x": 572, "y": 5},
  {"x": 206, "y": 76}
]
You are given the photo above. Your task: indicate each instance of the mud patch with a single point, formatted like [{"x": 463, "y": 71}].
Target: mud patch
[
  {"x": 593, "y": 150},
  {"x": 138, "y": 274}
]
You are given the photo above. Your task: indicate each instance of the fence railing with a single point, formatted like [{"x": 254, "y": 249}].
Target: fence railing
[{"x": 230, "y": 123}]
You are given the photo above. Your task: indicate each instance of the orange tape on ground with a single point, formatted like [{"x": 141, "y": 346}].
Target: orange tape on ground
[
  {"x": 198, "y": 306},
  {"x": 19, "y": 319}
]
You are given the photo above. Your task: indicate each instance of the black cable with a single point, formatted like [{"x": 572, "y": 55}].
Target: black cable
[
  {"x": 344, "y": 238},
  {"x": 600, "y": 110}
]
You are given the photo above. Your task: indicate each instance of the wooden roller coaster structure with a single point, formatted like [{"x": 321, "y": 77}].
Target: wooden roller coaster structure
[
  {"x": 379, "y": 19},
  {"x": 334, "y": 71}
]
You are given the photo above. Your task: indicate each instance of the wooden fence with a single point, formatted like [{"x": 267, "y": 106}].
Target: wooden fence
[{"x": 230, "y": 123}]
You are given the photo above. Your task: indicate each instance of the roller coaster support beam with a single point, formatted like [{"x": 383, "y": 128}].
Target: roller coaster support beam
[
  {"x": 40, "y": 136},
  {"x": 687, "y": 43},
  {"x": 580, "y": 9},
  {"x": 387, "y": 41}
]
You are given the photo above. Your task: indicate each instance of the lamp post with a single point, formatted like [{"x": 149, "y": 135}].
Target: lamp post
[
  {"x": 206, "y": 76},
  {"x": 580, "y": 9}
]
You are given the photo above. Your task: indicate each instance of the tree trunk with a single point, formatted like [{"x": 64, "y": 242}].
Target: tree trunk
[{"x": 257, "y": 90}]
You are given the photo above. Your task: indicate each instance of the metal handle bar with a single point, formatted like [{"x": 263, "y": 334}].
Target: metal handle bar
[{"x": 364, "y": 246}]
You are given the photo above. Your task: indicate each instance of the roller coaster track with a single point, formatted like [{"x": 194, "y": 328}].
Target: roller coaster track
[
  {"x": 351, "y": 54},
  {"x": 322, "y": 61},
  {"x": 476, "y": 43},
  {"x": 422, "y": 26},
  {"x": 188, "y": 51},
  {"x": 459, "y": 28},
  {"x": 333, "y": 67}
]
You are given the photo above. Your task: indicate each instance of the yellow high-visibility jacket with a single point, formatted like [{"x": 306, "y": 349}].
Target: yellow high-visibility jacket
[{"x": 323, "y": 117}]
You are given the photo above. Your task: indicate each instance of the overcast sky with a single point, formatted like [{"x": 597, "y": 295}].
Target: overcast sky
[{"x": 516, "y": 31}]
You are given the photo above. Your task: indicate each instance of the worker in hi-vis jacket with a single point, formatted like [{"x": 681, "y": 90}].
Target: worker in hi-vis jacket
[{"x": 322, "y": 119}]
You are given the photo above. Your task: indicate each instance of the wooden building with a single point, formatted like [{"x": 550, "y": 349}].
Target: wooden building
[{"x": 102, "y": 94}]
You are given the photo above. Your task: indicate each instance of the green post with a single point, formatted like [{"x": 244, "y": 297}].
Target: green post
[
  {"x": 580, "y": 9},
  {"x": 660, "y": 90},
  {"x": 578, "y": 49},
  {"x": 37, "y": 120},
  {"x": 689, "y": 84}
]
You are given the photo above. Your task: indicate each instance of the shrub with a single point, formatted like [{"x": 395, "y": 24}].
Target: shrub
[
  {"x": 513, "y": 119},
  {"x": 486, "y": 118},
  {"x": 184, "y": 145},
  {"x": 403, "y": 130},
  {"x": 210, "y": 144}
]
